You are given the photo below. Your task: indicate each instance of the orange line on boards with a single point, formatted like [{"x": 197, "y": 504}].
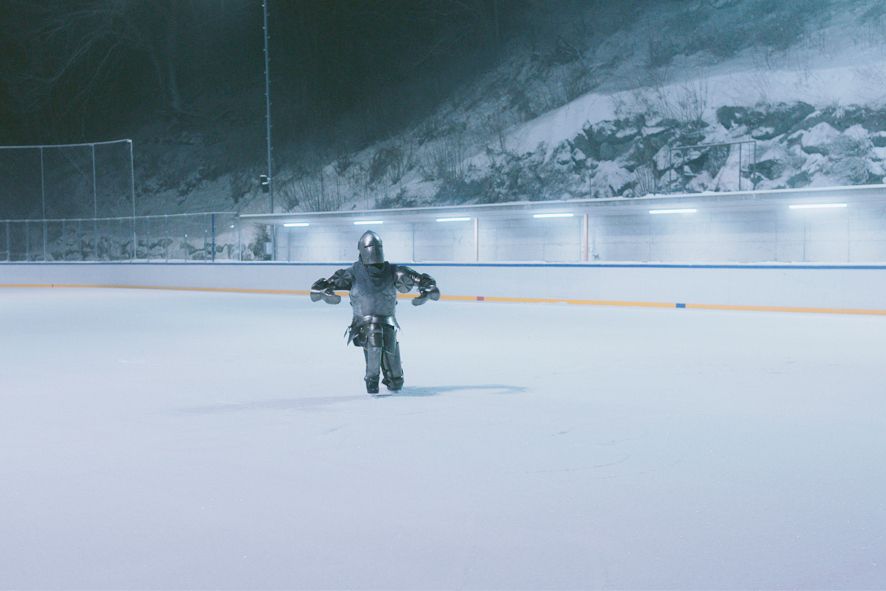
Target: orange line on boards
[{"x": 474, "y": 298}]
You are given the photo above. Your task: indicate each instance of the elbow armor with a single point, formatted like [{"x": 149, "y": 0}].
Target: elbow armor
[
  {"x": 324, "y": 289},
  {"x": 408, "y": 278},
  {"x": 405, "y": 280}
]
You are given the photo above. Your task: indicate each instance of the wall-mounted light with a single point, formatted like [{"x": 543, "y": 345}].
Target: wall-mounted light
[
  {"x": 454, "y": 219},
  {"x": 296, "y": 225},
  {"x": 671, "y": 211},
  {"x": 817, "y": 206},
  {"x": 552, "y": 215},
  {"x": 368, "y": 222}
]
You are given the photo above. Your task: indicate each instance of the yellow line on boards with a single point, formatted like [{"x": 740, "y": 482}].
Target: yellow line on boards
[
  {"x": 791, "y": 309},
  {"x": 157, "y": 287},
  {"x": 464, "y": 298}
]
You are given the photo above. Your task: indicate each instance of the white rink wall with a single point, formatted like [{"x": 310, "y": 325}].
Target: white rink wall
[
  {"x": 860, "y": 287},
  {"x": 837, "y": 225}
]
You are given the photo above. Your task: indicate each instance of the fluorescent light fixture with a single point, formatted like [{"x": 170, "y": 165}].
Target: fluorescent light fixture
[
  {"x": 296, "y": 225},
  {"x": 817, "y": 206},
  {"x": 367, "y": 222},
  {"x": 454, "y": 219},
  {"x": 553, "y": 215},
  {"x": 671, "y": 211}
]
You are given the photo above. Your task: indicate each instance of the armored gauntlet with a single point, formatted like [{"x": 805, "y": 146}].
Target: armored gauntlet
[
  {"x": 427, "y": 289},
  {"x": 324, "y": 289}
]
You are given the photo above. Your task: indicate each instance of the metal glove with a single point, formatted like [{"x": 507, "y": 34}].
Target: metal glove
[
  {"x": 324, "y": 290},
  {"x": 425, "y": 294}
]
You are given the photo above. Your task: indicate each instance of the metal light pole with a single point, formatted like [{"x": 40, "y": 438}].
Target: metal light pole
[
  {"x": 132, "y": 195},
  {"x": 268, "y": 184}
]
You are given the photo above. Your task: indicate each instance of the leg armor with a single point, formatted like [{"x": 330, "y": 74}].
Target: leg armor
[
  {"x": 378, "y": 337},
  {"x": 373, "y": 344},
  {"x": 390, "y": 360}
]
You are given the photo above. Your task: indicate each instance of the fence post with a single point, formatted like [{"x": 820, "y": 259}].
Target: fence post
[
  {"x": 94, "y": 204},
  {"x": 8, "y": 243},
  {"x": 132, "y": 193},
  {"x": 212, "y": 226},
  {"x": 43, "y": 202},
  {"x": 94, "y": 191},
  {"x": 670, "y": 170},
  {"x": 585, "y": 225},
  {"x": 476, "y": 239},
  {"x": 754, "y": 169}
]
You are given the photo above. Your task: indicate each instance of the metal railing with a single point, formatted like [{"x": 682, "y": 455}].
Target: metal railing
[
  {"x": 827, "y": 225},
  {"x": 731, "y": 165},
  {"x": 835, "y": 224}
]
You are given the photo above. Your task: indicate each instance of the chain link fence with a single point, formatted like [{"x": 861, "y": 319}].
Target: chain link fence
[{"x": 175, "y": 237}]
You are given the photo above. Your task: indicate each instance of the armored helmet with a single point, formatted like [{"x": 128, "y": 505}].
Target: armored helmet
[{"x": 370, "y": 248}]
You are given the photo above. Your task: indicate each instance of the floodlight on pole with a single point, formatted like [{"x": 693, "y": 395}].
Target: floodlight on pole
[{"x": 267, "y": 181}]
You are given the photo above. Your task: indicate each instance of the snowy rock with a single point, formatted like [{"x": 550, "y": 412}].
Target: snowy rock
[
  {"x": 849, "y": 171},
  {"x": 662, "y": 158},
  {"x": 767, "y": 122},
  {"x": 818, "y": 139},
  {"x": 700, "y": 182},
  {"x": 770, "y": 169},
  {"x": 763, "y": 133},
  {"x": 610, "y": 179},
  {"x": 876, "y": 169},
  {"x": 857, "y": 132}
]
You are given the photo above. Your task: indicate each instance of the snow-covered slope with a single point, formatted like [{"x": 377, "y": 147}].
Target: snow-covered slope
[{"x": 594, "y": 103}]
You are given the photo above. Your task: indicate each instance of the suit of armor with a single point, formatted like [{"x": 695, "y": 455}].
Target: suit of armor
[{"x": 373, "y": 284}]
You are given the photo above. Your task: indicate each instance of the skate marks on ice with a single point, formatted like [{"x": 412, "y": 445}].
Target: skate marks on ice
[
  {"x": 315, "y": 402},
  {"x": 277, "y": 404},
  {"x": 420, "y": 391}
]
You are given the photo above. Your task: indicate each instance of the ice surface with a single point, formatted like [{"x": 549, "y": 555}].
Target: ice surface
[{"x": 178, "y": 440}]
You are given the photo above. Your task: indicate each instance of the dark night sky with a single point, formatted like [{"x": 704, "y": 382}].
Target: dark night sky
[{"x": 75, "y": 70}]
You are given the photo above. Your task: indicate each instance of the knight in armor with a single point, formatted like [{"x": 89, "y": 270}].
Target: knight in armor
[{"x": 373, "y": 284}]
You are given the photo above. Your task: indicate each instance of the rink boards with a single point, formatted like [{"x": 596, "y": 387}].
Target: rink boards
[{"x": 842, "y": 289}]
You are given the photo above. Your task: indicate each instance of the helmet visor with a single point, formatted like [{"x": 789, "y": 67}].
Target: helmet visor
[{"x": 372, "y": 255}]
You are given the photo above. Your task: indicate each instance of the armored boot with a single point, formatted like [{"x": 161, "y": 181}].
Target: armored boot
[
  {"x": 373, "y": 352},
  {"x": 372, "y": 385},
  {"x": 390, "y": 360}
]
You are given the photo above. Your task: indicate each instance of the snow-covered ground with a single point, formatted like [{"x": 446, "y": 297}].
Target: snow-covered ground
[{"x": 180, "y": 440}]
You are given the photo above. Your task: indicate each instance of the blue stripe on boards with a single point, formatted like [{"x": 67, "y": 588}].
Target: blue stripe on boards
[{"x": 785, "y": 267}]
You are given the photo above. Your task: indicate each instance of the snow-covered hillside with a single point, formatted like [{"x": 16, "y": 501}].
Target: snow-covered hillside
[{"x": 595, "y": 104}]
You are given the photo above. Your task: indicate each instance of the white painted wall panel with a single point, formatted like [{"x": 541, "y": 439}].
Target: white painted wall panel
[{"x": 788, "y": 285}]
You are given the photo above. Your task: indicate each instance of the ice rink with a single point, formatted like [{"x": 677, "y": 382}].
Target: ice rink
[{"x": 153, "y": 439}]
